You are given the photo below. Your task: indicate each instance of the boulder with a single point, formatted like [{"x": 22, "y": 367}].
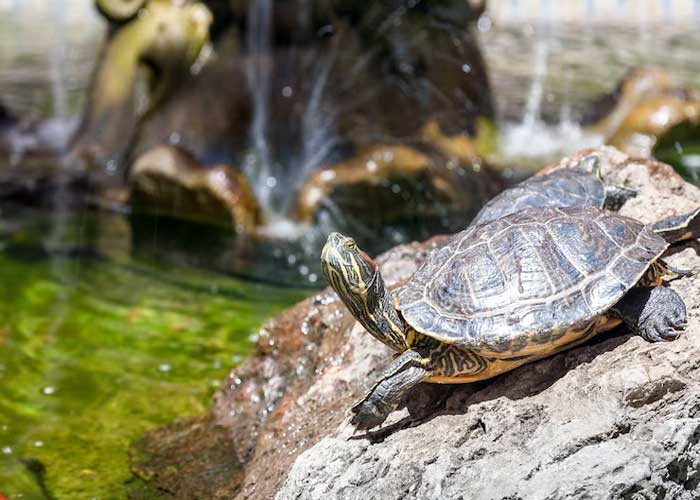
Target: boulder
[
  {"x": 168, "y": 181},
  {"x": 294, "y": 82},
  {"x": 642, "y": 108},
  {"x": 140, "y": 63},
  {"x": 389, "y": 189},
  {"x": 615, "y": 418}
]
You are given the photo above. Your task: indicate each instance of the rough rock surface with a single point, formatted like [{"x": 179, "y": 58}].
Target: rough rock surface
[
  {"x": 169, "y": 181},
  {"x": 616, "y": 418}
]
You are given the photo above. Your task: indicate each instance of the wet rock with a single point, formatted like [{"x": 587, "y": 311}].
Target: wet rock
[
  {"x": 208, "y": 119},
  {"x": 141, "y": 62},
  {"x": 328, "y": 75},
  {"x": 193, "y": 460},
  {"x": 31, "y": 141},
  {"x": 168, "y": 181},
  {"x": 7, "y": 117},
  {"x": 395, "y": 186},
  {"x": 119, "y": 11},
  {"x": 614, "y": 418},
  {"x": 643, "y": 107}
]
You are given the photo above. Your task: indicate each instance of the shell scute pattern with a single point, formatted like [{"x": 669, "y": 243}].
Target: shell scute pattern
[
  {"x": 528, "y": 279},
  {"x": 566, "y": 187},
  {"x": 583, "y": 242}
]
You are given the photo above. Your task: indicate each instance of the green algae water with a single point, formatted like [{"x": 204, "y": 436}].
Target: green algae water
[{"x": 94, "y": 351}]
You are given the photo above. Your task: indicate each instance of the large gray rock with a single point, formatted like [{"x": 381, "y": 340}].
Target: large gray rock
[{"x": 618, "y": 418}]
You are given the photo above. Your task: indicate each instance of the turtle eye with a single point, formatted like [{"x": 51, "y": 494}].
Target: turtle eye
[{"x": 350, "y": 244}]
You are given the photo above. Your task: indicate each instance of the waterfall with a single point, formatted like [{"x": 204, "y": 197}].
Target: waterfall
[
  {"x": 532, "y": 137},
  {"x": 57, "y": 63},
  {"x": 258, "y": 164}
]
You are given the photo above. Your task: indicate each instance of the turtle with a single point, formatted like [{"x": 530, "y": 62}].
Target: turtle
[
  {"x": 579, "y": 185},
  {"x": 508, "y": 292}
]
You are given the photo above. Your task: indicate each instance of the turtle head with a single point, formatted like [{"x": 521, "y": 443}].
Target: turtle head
[
  {"x": 348, "y": 269},
  {"x": 356, "y": 279}
]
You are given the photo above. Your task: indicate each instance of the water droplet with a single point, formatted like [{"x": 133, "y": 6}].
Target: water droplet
[
  {"x": 484, "y": 23},
  {"x": 395, "y": 188},
  {"x": 313, "y": 278},
  {"x": 287, "y": 91},
  {"x": 164, "y": 367},
  {"x": 372, "y": 166},
  {"x": 38, "y": 444},
  {"x": 466, "y": 68},
  {"x": 291, "y": 258},
  {"x": 303, "y": 270},
  {"x": 6, "y": 450},
  {"x": 236, "y": 358},
  {"x": 48, "y": 390},
  {"x": 111, "y": 166},
  {"x": 174, "y": 138},
  {"x": 270, "y": 182},
  {"x": 217, "y": 363}
]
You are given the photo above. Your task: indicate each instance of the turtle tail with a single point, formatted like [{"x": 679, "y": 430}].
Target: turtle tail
[{"x": 679, "y": 228}]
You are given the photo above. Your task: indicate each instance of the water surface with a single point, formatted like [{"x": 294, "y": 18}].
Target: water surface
[{"x": 95, "y": 351}]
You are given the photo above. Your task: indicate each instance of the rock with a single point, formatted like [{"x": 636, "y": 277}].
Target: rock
[
  {"x": 119, "y": 10},
  {"x": 331, "y": 74},
  {"x": 7, "y": 117},
  {"x": 169, "y": 181},
  {"x": 140, "y": 63},
  {"x": 643, "y": 107},
  {"x": 394, "y": 187},
  {"x": 208, "y": 119},
  {"x": 616, "y": 418}
]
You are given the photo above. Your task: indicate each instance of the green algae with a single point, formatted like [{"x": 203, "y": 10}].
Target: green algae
[{"x": 95, "y": 352}]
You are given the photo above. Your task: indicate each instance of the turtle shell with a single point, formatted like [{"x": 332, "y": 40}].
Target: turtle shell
[
  {"x": 569, "y": 187},
  {"x": 515, "y": 285}
]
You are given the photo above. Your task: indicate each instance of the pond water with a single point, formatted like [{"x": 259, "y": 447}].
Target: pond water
[
  {"x": 95, "y": 351},
  {"x": 99, "y": 346}
]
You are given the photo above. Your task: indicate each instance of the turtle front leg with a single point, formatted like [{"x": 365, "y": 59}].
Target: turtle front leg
[
  {"x": 406, "y": 371},
  {"x": 654, "y": 313}
]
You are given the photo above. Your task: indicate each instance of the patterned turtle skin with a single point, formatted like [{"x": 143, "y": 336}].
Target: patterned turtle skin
[
  {"x": 508, "y": 292},
  {"x": 566, "y": 187}
]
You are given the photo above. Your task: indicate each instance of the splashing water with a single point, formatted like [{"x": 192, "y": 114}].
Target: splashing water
[
  {"x": 258, "y": 164},
  {"x": 532, "y": 136}
]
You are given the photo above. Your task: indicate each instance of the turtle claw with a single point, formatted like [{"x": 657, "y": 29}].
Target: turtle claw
[
  {"x": 664, "y": 318},
  {"x": 367, "y": 415}
]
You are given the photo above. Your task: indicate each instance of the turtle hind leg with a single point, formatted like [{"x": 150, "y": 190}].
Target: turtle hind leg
[
  {"x": 406, "y": 371},
  {"x": 654, "y": 313}
]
